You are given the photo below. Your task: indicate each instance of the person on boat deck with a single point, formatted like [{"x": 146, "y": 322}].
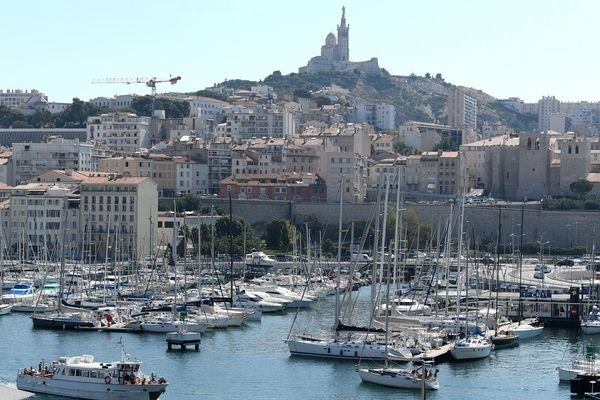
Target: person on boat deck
[{"x": 109, "y": 319}]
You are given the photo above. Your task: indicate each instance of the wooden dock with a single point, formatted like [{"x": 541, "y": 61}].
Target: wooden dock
[{"x": 8, "y": 393}]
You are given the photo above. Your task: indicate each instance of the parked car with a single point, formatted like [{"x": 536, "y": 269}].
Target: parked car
[{"x": 566, "y": 262}]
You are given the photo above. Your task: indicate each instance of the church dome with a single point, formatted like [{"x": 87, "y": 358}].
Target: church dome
[{"x": 330, "y": 40}]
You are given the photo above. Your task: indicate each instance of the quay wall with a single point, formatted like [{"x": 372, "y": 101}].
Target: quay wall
[{"x": 559, "y": 228}]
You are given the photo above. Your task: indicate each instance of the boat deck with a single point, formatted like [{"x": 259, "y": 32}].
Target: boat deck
[
  {"x": 435, "y": 354},
  {"x": 8, "y": 393}
]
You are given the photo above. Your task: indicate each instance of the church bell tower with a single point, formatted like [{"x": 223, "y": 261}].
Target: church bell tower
[{"x": 343, "y": 52}]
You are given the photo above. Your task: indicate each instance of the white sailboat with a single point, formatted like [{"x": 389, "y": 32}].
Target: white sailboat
[
  {"x": 470, "y": 347},
  {"x": 344, "y": 349},
  {"x": 420, "y": 378}
]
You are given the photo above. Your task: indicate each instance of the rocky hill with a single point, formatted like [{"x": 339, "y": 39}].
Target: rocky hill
[{"x": 417, "y": 98}]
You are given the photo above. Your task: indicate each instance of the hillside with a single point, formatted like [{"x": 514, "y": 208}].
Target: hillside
[{"x": 416, "y": 98}]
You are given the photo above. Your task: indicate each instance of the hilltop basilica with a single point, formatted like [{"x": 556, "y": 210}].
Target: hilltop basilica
[{"x": 335, "y": 54}]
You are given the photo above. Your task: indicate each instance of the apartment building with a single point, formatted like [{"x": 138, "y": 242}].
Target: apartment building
[
  {"x": 381, "y": 115},
  {"x": 37, "y": 213},
  {"x": 123, "y": 133},
  {"x": 286, "y": 186},
  {"x": 119, "y": 212},
  {"x": 219, "y": 162},
  {"x": 32, "y": 159},
  {"x": 462, "y": 109}
]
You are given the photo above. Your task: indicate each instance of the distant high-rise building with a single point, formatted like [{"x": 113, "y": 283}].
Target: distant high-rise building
[
  {"x": 547, "y": 106},
  {"x": 462, "y": 109}
]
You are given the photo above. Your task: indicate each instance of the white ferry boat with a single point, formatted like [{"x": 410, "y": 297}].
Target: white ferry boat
[{"x": 83, "y": 378}]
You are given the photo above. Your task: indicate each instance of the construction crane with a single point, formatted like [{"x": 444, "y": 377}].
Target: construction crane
[{"x": 150, "y": 82}]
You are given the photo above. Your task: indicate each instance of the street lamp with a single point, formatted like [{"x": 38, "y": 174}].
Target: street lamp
[{"x": 542, "y": 244}]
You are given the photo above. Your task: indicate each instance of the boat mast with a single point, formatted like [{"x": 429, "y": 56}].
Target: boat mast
[
  {"x": 339, "y": 260},
  {"x": 382, "y": 260},
  {"x": 230, "y": 251},
  {"x": 174, "y": 255},
  {"x": 521, "y": 262},
  {"x": 498, "y": 268},
  {"x": 62, "y": 255},
  {"x": 459, "y": 270},
  {"x": 375, "y": 242}
]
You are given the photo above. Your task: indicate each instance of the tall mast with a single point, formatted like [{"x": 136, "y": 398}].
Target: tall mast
[
  {"x": 230, "y": 252},
  {"x": 382, "y": 260},
  {"x": 339, "y": 261},
  {"x": 62, "y": 254},
  {"x": 498, "y": 266},
  {"x": 521, "y": 261},
  {"x": 174, "y": 255}
]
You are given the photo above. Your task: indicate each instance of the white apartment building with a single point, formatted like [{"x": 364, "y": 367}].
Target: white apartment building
[
  {"x": 192, "y": 178},
  {"x": 15, "y": 98},
  {"x": 547, "y": 106},
  {"x": 126, "y": 209},
  {"x": 114, "y": 102},
  {"x": 261, "y": 122},
  {"x": 462, "y": 109},
  {"x": 33, "y": 159},
  {"x": 123, "y": 133},
  {"x": 381, "y": 115}
]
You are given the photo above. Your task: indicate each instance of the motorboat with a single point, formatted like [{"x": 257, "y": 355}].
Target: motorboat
[
  {"x": 412, "y": 307},
  {"x": 83, "y": 378},
  {"x": 471, "y": 348},
  {"x": 278, "y": 293},
  {"x": 503, "y": 340},
  {"x": 21, "y": 292},
  {"x": 250, "y": 300},
  {"x": 526, "y": 329},
  {"x": 591, "y": 324},
  {"x": 259, "y": 259},
  {"x": 401, "y": 377}
]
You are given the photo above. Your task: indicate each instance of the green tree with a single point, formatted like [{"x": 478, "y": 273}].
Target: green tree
[
  {"x": 328, "y": 248},
  {"x": 279, "y": 234},
  {"x": 173, "y": 108},
  {"x": 302, "y": 93},
  {"x": 581, "y": 187},
  {"x": 8, "y": 116},
  {"x": 211, "y": 94}
]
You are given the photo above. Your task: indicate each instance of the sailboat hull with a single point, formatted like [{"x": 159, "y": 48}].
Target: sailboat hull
[
  {"x": 398, "y": 378},
  {"x": 343, "y": 350}
]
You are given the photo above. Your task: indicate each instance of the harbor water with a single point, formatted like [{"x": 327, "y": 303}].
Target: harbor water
[{"x": 253, "y": 362}]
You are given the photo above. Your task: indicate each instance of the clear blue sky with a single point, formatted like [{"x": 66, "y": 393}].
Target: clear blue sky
[{"x": 506, "y": 48}]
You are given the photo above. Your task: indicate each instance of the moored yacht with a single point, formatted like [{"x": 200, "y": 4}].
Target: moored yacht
[
  {"x": 471, "y": 348},
  {"x": 82, "y": 377}
]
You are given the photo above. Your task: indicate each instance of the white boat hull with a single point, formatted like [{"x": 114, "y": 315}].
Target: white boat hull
[
  {"x": 5, "y": 309},
  {"x": 469, "y": 352},
  {"x": 527, "y": 331},
  {"x": 396, "y": 378},
  {"x": 344, "y": 350},
  {"x": 166, "y": 327},
  {"x": 88, "y": 390},
  {"x": 590, "y": 328}
]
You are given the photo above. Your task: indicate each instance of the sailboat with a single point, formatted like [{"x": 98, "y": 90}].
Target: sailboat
[
  {"x": 171, "y": 323},
  {"x": 344, "y": 349},
  {"x": 501, "y": 339},
  {"x": 470, "y": 347},
  {"x": 397, "y": 377}
]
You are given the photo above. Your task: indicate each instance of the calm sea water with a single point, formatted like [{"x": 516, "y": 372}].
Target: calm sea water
[{"x": 253, "y": 362}]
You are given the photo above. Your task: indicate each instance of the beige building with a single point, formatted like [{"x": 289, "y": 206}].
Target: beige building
[
  {"x": 161, "y": 168},
  {"x": 37, "y": 213},
  {"x": 531, "y": 166},
  {"x": 120, "y": 212}
]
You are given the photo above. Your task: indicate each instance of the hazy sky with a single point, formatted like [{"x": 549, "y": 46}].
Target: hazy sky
[{"x": 506, "y": 48}]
